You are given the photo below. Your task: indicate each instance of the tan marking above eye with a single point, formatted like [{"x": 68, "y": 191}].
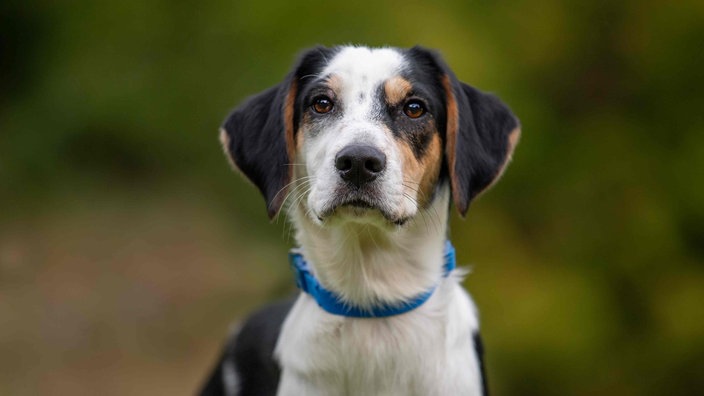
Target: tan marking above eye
[
  {"x": 397, "y": 89},
  {"x": 334, "y": 82}
]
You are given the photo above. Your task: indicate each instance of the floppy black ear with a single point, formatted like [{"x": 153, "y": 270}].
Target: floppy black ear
[
  {"x": 258, "y": 135},
  {"x": 480, "y": 131},
  {"x": 481, "y": 135},
  {"x": 258, "y": 138}
]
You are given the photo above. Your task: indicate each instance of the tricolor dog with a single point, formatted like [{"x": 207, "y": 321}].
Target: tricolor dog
[{"x": 365, "y": 148}]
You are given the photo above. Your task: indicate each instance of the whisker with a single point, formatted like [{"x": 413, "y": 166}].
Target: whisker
[
  {"x": 300, "y": 197},
  {"x": 288, "y": 194},
  {"x": 434, "y": 216},
  {"x": 413, "y": 200},
  {"x": 411, "y": 181},
  {"x": 307, "y": 76},
  {"x": 306, "y": 187},
  {"x": 292, "y": 182},
  {"x": 304, "y": 181}
]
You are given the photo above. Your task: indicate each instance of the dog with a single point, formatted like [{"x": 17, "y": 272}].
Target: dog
[{"x": 365, "y": 149}]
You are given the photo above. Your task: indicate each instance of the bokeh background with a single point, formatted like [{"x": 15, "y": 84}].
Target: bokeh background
[{"x": 128, "y": 246}]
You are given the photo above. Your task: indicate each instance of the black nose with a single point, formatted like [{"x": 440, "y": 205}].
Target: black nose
[{"x": 359, "y": 164}]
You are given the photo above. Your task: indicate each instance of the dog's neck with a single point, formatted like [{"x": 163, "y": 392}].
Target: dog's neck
[{"x": 367, "y": 264}]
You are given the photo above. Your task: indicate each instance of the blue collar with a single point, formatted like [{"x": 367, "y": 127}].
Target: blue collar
[{"x": 332, "y": 303}]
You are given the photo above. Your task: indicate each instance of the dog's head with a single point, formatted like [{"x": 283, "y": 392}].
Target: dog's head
[{"x": 357, "y": 133}]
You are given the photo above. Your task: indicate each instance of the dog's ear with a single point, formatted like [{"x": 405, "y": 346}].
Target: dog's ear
[
  {"x": 258, "y": 136},
  {"x": 481, "y": 133}
]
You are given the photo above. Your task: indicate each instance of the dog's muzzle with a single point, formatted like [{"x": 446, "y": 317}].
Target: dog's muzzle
[{"x": 360, "y": 188}]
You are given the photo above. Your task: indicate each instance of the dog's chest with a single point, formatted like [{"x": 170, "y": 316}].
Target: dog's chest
[{"x": 421, "y": 353}]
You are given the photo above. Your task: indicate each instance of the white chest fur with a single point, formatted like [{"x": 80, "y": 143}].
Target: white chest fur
[{"x": 428, "y": 351}]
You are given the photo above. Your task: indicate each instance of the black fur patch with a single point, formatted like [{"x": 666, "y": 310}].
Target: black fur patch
[
  {"x": 316, "y": 87},
  {"x": 482, "y": 138},
  {"x": 257, "y": 130},
  {"x": 251, "y": 353},
  {"x": 417, "y": 132},
  {"x": 479, "y": 350}
]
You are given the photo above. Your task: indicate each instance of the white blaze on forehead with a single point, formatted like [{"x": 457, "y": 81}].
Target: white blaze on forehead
[
  {"x": 374, "y": 62},
  {"x": 361, "y": 70}
]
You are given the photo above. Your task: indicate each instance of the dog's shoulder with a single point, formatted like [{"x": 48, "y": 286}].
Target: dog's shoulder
[{"x": 247, "y": 365}]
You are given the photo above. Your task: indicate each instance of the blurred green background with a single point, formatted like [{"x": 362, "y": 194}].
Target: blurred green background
[{"x": 127, "y": 244}]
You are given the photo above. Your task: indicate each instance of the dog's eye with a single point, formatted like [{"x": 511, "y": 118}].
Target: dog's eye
[
  {"x": 414, "y": 108},
  {"x": 322, "y": 105}
]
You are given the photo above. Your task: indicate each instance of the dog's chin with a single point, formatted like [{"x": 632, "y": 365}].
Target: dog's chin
[{"x": 360, "y": 211}]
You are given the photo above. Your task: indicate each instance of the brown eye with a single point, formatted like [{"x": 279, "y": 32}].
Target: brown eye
[
  {"x": 322, "y": 105},
  {"x": 414, "y": 108}
]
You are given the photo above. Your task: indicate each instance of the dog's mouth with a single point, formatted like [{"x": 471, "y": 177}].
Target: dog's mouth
[
  {"x": 353, "y": 204},
  {"x": 361, "y": 208},
  {"x": 359, "y": 203}
]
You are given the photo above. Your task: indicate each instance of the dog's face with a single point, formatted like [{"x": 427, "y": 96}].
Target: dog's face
[
  {"x": 368, "y": 138},
  {"x": 358, "y": 134}
]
